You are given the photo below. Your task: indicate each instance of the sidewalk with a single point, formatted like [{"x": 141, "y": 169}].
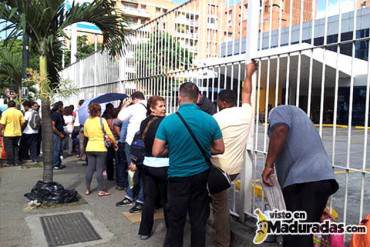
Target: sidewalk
[{"x": 14, "y": 231}]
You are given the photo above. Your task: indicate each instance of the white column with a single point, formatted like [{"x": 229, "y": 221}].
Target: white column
[{"x": 74, "y": 43}]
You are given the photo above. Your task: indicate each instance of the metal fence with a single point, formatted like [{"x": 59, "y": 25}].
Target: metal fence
[{"x": 311, "y": 53}]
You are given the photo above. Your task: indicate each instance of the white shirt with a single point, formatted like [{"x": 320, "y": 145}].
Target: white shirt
[
  {"x": 134, "y": 114},
  {"x": 28, "y": 130},
  {"x": 69, "y": 124},
  {"x": 77, "y": 120},
  {"x": 235, "y": 123}
]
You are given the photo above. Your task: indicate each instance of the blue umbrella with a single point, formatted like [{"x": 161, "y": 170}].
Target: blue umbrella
[{"x": 83, "y": 112}]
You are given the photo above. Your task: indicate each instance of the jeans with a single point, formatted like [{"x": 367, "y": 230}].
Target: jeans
[
  {"x": 57, "y": 149},
  {"x": 137, "y": 193},
  {"x": 11, "y": 150},
  {"x": 121, "y": 166},
  {"x": 155, "y": 186},
  {"x": 67, "y": 144},
  {"x": 39, "y": 139},
  {"x": 187, "y": 195},
  {"x": 311, "y": 198},
  {"x": 96, "y": 163},
  {"x": 28, "y": 145}
]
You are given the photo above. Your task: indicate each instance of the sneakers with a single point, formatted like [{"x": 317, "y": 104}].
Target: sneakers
[
  {"x": 136, "y": 208},
  {"x": 124, "y": 202},
  {"x": 59, "y": 167},
  {"x": 144, "y": 237}
]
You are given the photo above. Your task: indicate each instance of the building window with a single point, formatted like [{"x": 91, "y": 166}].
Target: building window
[
  {"x": 211, "y": 20},
  {"x": 143, "y": 6},
  {"x": 158, "y": 9},
  {"x": 165, "y": 10}
]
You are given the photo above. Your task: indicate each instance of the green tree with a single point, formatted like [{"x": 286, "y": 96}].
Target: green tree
[
  {"x": 169, "y": 55},
  {"x": 44, "y": 21},
  {"x": 84, "y": 49},
  {"x": 11, "y": 65}
]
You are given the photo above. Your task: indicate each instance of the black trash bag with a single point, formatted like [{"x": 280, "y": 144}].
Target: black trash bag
[{"x": 51, "y": 192}]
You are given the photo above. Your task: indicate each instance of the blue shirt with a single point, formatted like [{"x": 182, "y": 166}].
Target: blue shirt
[
  {"x": 303, "y": 158},
  {"x": 185, "y": 157}
]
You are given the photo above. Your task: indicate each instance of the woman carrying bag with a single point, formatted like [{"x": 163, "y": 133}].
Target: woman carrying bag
[
  {"x": 99, "y": 136},
  {"x": 154, "y": 170}
]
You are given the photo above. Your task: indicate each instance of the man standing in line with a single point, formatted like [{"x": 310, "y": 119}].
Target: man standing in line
[
  {"x": 133, "y": 115},
  {"x": 77, "y": 131},
  {"x": 36, "y": 108},
  {"x": 57, "y": 123},
  {"x": 188, "y": 169},
  {"x": 28, "y": 147},
  {"x": 11, "y": 124},
  {"x": 206, "y": 104},
  {"x": 303, "y": 168},
  {"x": 120, "y": 128},
  {"x": 235, "y": 124}
]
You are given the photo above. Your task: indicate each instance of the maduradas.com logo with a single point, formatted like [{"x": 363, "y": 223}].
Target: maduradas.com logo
[{"x": 283, "y": 222}]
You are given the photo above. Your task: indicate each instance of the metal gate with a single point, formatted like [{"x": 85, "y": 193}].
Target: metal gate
[{"x": 311, "y": 53}]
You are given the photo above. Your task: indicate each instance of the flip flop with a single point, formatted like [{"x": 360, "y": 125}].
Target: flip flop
[{"x": 103, "y": 193}]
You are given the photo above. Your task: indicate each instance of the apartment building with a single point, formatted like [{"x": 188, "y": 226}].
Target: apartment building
[
  {"x": 363, "y": 3},
  {"x": 278, "y": 11},
  {"x": 140, "y": 12}
]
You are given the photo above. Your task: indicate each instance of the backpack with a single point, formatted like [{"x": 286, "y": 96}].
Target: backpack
[
  {"x": 137, "y": 148},
  {"x": 35, "y": 121}
]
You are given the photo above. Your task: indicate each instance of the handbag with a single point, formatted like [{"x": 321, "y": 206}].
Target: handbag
[
  {"x": 218, "y": 180},
  {"x": 107, "y": 140}
]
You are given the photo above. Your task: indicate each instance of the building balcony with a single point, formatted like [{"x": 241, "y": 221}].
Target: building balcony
[
  {"x": 134, "y": 12},
  {"x": 185, "y": 21}
]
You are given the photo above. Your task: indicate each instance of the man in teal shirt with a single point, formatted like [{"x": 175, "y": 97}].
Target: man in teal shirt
[{"x": 188, "y": 169}]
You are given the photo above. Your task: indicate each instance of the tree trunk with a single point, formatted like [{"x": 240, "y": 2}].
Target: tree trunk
[{"x": 47, "y": 135}]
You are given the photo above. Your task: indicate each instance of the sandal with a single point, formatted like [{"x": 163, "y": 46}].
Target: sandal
[
  {"x": 103, "y": 193},
  {"x": 87, "y": 192}
]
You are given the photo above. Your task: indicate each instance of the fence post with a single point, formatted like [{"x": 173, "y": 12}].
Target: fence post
[
  {"x": 95, "y": 63},
  {"x": 247, "y": 171}
]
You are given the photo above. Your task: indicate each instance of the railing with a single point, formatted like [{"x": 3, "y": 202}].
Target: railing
[{"x": 320, "y": 65}]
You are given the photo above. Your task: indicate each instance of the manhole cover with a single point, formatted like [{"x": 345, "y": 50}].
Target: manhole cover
[{"x": 64, "y": 229}]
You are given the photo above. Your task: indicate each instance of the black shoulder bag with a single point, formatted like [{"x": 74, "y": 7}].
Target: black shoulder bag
[{"x": 218, "y": 180}]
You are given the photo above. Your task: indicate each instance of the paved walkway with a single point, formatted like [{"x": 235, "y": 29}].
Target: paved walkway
[{"x": 15, "y": 181}]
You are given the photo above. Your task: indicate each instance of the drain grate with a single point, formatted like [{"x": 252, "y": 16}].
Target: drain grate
[{"x": 71, "y": 228}]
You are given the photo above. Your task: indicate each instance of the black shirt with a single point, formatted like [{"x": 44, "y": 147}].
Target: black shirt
[
  {"x": 150, "y": 134},
  {"x": 206, "y": 105},
  {"x": 59, "y": 121}
]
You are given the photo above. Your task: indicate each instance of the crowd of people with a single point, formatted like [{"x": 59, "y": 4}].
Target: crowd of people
[
  {"x": 21, "y": 132},
  {"x": 156, "y": 163}
]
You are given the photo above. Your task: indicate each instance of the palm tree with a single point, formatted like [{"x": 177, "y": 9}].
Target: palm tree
[
  {"x": 10, "y": 69},
  {"x": 45, "y": 21}
]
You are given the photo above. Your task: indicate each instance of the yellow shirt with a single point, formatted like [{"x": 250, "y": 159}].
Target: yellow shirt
[
  {"x": 93, "y": 131},
  {"x": 12, "y": 119}
]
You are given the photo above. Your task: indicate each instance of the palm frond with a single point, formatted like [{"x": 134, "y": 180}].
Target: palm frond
[
  {"x": 106, "y": 17},
  {"x": 11, "y": 67}
]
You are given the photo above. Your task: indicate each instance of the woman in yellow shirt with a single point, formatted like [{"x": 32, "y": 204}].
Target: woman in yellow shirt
[{"x": 96, "y": 150}]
